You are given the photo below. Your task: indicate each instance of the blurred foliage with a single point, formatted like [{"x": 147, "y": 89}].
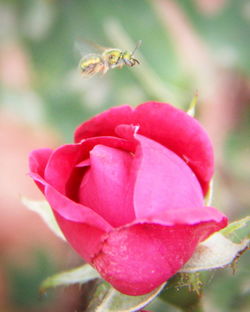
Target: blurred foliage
[
  {"x": 46, "y": 32},
  {"x": 231, "y": 293},
  {"x": 236, "y": 140},
  {"x": 25, "y": 281},
  {"x": 227, "y": 32}
]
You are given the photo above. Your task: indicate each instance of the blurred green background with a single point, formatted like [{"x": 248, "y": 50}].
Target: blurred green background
[{"x": 187, "y": 47}]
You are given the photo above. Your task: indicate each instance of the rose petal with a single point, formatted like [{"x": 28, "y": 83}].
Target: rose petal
[
  {"x": 64, "y": 159},
  {"x": 61, "y": 164},
  {"x": 164, "y": 124},
  {"x": 164, "y": 183},
  {"x": 181, "y": 133},
  {"x": 106, "y": 187},
  {"x": 37, "y": 162},
  {"x": 82, "y": 227},
  {"x": 136, "y": 259},
  {"x": 143, "y": 170},
  {"x": 104, "y": 123},
  {"x": 190, "y": 216},
  {"x": 72, "y": 217}
]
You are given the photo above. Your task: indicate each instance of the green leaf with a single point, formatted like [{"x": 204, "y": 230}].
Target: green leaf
[
  {"x": 216, "y": 252},
  {"x": 107, "y": 299},
  {"x": 80, "y": 275},
  {"x": 45, "y": 212}
]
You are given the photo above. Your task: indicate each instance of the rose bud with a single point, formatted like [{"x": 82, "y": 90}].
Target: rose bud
[{"x": 129, "y": 193}]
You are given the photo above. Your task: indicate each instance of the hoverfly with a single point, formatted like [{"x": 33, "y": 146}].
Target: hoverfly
[{"x": 110, "y": 58}]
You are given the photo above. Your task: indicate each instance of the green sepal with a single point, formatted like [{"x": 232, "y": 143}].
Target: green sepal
[
  {"x": 237, "y": 230},
  {"x": 216, "y": 252},
  {"x": 192, "y": 105},
  {"x": 81, "y": 275},
  {"x": 209, "y": 195},
  {"x": 107, "y": 299},
  {"x": 42, "y": 208}
]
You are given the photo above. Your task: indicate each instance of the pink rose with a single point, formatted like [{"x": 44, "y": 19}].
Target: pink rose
[{"x": 129, "y": 193}]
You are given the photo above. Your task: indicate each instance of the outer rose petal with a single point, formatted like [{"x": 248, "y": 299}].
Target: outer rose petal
[
  {"x": 165, "y": 124},
  {"x": 104, "y": 123},
  {"x": 37, "y": 161},
  {"x": 82, "y": 227},
  {"x": 182, "y": 134},
  {"x": 136, "y": 259},
  {"x": 61, "y": 164}
]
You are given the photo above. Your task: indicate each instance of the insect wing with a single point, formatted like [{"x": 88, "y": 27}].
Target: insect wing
[
  {"x": 84, "y": 47},
  {"x": 137, "y": 46},
  {"x": 95, "y": 45}
]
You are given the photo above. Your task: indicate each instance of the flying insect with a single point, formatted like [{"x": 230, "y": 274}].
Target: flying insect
[{"x": 110, "y": 58}]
